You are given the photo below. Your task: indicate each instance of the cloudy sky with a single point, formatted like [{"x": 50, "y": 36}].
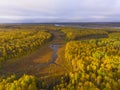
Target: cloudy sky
[{"x": 34, "y": 11}]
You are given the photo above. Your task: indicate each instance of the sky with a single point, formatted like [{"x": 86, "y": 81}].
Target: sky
[{"x": 40, "y": 11}]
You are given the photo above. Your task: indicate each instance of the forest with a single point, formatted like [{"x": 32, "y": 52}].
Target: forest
[
  {"x": 85, "y": 58},
  {"x": 15, "y": 43}
]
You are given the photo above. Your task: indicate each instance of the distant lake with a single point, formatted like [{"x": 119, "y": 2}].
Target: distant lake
[{"x": 87, "y": 25}]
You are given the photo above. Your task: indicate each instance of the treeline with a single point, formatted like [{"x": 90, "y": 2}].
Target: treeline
[
  {"x": 84, "y": 33},
  {"x": 94, "y": 65},
  {"x": 16, "y": 43}
]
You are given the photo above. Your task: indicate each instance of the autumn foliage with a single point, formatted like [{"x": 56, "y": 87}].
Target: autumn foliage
[
  {"x": 16, "y": 43},
  {"x": 95, "y": 65}
]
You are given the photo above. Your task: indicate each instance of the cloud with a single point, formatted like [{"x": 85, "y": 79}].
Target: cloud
[{"x": 59, "y": 10}]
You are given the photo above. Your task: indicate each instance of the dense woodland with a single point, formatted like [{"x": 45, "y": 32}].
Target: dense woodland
[
  {"x": 16, "y": 43},
  {"x": 75, "y": 34},
  {"x": 26, "y": 82},
  {"x": 92, "y": 58},
  {"x": 95, "y": 65}
]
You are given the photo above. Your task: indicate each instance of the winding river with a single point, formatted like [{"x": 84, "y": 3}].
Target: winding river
[{"x": 54, "y": 47}]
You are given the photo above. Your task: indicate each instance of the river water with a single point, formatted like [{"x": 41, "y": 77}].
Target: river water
[{"x": 54, "y": 47}]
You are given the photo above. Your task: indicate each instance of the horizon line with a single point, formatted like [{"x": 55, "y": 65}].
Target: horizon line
[{"x": 57, "y": 22}]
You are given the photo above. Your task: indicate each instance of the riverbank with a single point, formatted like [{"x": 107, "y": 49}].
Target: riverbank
[{"x": 40, "y": 63}]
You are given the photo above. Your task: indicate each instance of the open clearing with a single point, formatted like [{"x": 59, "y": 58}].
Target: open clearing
[{"x": 37, "y": 63}]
